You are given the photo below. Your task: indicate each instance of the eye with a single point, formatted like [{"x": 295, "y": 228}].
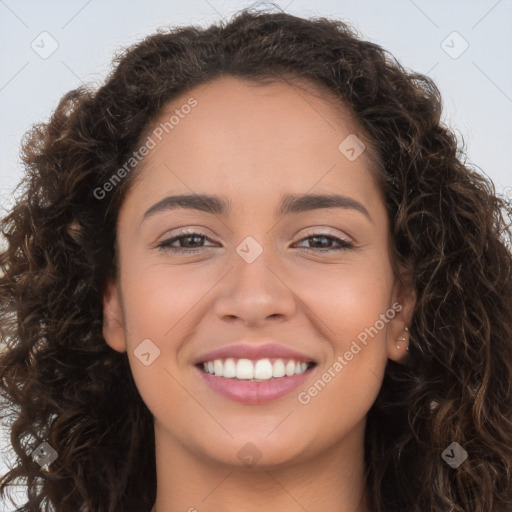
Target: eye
[
  {"x": 190, "y": 238},
  {"x": 323, "y": 239}
]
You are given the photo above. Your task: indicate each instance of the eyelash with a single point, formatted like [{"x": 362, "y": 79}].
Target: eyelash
[{"x": 166, "y": 244}]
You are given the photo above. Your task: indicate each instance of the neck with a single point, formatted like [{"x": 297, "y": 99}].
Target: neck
[{"x": 332, "y": 481}]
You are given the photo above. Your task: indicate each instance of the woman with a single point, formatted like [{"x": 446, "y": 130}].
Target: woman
[{"x": 251, "y": 272}]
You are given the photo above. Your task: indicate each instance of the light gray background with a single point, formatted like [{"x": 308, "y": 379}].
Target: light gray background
[{"x": 476, "y": 84}]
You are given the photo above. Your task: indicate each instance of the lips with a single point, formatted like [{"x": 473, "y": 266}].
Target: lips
[{"x": 239, "y": 386}]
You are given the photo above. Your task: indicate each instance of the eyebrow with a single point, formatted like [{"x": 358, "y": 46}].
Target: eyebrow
[{"x": 291, "y": 203}]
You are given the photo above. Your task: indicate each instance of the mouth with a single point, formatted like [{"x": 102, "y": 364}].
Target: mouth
[
  {"x": 254, "y": 381},
  {"x": 260, "y": 370}
]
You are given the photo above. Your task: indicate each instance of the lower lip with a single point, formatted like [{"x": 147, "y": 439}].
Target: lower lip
[{"x": 248, "y": 392}]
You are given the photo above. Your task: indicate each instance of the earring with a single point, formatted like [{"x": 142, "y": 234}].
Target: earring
[{"x": 401, "y": 338}]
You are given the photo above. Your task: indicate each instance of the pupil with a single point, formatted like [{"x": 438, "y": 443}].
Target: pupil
[
  {"x": 190, "y": 237},
  {"x": 319, "y": 237}
]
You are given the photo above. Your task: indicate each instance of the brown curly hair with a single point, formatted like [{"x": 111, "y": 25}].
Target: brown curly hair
[{"x": 60, "y": 381}]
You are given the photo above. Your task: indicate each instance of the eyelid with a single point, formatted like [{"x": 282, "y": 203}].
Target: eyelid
[
  {"x": 312, "y": 231},
  {"x": 188, "y": 230}
]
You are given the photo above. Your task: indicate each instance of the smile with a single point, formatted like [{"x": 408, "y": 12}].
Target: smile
[
  {"x": 254, "y": 370},
  {"x": 253, "y": 381}
]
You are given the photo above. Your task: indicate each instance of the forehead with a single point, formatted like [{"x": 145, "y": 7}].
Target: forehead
[
  {"x": 255, "y": 137},
  {"x": 230, "y": 105}
]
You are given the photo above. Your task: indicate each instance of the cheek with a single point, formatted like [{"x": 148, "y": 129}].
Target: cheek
[
  {"x": 161, "y": 304},
  {"x": 352, "y": 306},
  {"x": 346, "y": 299},
  {"x": 157, "y": 297}
]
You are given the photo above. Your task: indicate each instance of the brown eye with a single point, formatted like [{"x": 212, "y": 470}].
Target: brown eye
[
  {"x": 323, "y": 243},
  {"x": 190, "y": 242}
]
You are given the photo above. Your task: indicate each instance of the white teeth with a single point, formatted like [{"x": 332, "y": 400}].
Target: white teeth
[
  {"x": 278, "y": 368},
  {"x": 217, "y": 367},
  {"x": 290, "y": 368},
  {"x": 245, "y": 369},
  {"x": 263, "y": 369},
  {"x": 229, "y": 368}
]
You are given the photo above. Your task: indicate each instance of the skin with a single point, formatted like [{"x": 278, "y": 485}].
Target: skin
[{"x": 254, "y": 144}]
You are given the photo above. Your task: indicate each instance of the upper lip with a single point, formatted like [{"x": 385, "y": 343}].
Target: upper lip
[{"x": 254, "y": 351}]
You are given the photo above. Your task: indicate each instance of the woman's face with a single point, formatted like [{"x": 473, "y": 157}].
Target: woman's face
[{"x": 268, "y": 271}]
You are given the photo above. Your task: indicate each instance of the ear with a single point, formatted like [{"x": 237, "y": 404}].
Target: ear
[
  {"x": 113, "y": 326},
  {"x": 404, "y": 301}
]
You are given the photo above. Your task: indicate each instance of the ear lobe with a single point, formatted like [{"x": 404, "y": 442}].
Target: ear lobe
[
  {"x": 113, "y": 326},
  {"x": 398, "y": 334}
]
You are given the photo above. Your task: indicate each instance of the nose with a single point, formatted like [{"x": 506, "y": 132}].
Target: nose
[{"x": 255, "y": 293}]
